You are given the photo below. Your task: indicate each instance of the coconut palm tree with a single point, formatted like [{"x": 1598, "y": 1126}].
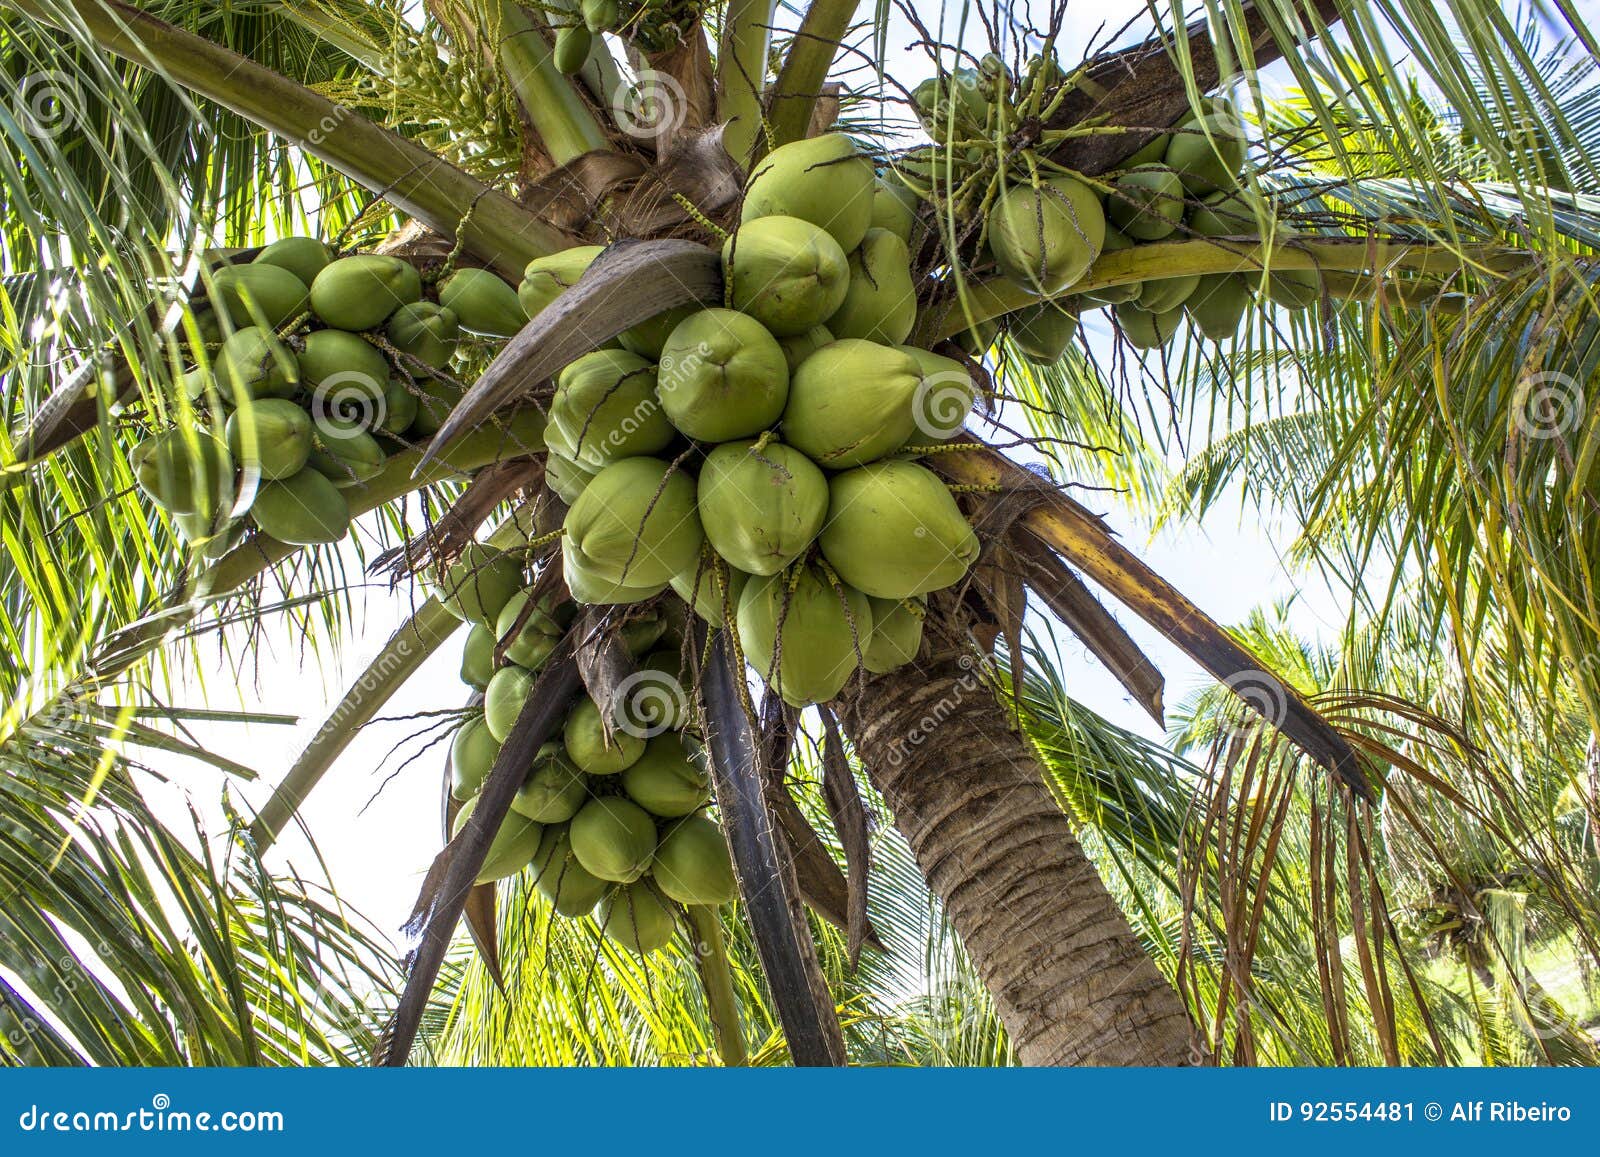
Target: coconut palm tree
[{"x": 1445, "y": 341}]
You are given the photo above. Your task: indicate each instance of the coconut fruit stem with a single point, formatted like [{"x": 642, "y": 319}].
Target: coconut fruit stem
[{"x": 711, "y": 959}]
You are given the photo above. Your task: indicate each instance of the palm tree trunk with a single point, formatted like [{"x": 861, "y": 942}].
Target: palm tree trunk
[{"x": 1070, "y": 979}]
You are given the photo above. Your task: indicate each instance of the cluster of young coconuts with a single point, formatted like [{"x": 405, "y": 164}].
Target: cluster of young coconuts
[
  {"x": 1184, "y": 184},
  {"x": 610, "y": 819},
  {"x": 760, "y": 459},
  {"x": 320, "y": 368}
]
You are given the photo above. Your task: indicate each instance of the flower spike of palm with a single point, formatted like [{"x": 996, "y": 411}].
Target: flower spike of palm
[{"x": 699, "y": 343}]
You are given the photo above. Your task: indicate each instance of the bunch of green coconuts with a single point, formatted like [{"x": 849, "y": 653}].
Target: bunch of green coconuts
[
  {"x": 317, "y": 369},
  {"x": 1044, "y": 229},
  {"x": 760, "y": 458},
  {"x": 610, "y": 818}
]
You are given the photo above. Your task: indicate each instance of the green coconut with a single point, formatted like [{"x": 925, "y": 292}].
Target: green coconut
[
  {"x": 1145, "y": 330},
  {"x": 1209, "y": 153},
  {"x": 503, "y": 699},
  {"x": 211, "y": 535},
  {"x": 472, "y": 755},
  {"x": 894, "y": 207},
  {"x": 477, "y": 656},
  {"x": 301, "y": 510},
  {"x": 197, "y": 382},
  {"x": 880, "y": 303},
  {"x": 425, "y": 331},
  {"x": 798, "y": 347},
  {"x": 1045, "y": 239},
  {"x": 637, "y": 918},
  {"x": 1146, "y": 203},
  {"x": 360, "y": 292},
  {"x": 305, "y": 257},
  {"x": 253, "y": 363},
  {"x": 722, "y": 376},
  {"x": 398, "y": 408},
  {"x": 1218, "y": 303},
  {"x": 894, "y": 531},
  {"x": 536, "y": 639},
  {"x": 265, "y": 295},
  {"x": 896, "y": 634},
  {"x": 186, "y": 474},
  {"x": 547, "y": 278},
  {"x": 1164, "y": 294},
  {"x": 649, "y": 337},
  {"x": 273, "y": 435},
  {"x": 565, "y": 477},
  {"x": 478, "y": 585},
  {"x": 636, "y": 523},
  {"x": 787, "y": 273},
  {"x": 1114, "y": 294},
  {"x": 605, "y": 408},
  {"x": 944, "y": 397},
  {"x": 823, "y": 180},
  {"x": 588, "y": 587},
  {"x": 570, "y": 888},
  {"x": 591, "y": 749},
  {"x": 700, "y": 588},
  {"x": 641, "y": 632},
  {"x": 434, "y": 402},
  {"x": 554, "y": 789},
  {"x": 761, "y": 505},
  {"x": 343, "y": 370},
  {"x": 666, "y": 781},
  {"x": 1043, "y": 332},
  {"x": 613, "y": 838},
  {"x": 692, "y": 864},
  {"x": 851, "y": 402},
  {"x": 573, "y": 42},
  {"x": 975, "y": 340},
  {"x": 1153, "y": 152},
  {"x": 1232, "y": 214},
  {"x": 1291, "y": 289},
  {"x": 822, "y": 629},
  {"x": 346, "y": 454},
  {"x": 482, "y": 303},
  {"x": 512, "y": 848}
]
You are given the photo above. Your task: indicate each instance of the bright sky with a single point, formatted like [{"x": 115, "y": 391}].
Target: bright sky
[{"x": 377, "y": 843}]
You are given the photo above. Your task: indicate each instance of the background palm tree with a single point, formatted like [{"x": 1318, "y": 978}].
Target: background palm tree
[{"x": 1427, "y": 423}]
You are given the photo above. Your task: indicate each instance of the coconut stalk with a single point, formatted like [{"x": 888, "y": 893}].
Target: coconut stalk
[
  {"x": 407, "y": 649},
  {"x": 1163, "y": 259},
  {"x": 716, "y": 977},
  {"x": 805, "y": 69},
  {"x": 490, "y": 225},
  {"x": 741, "y": 73},
  {"x": 558, "y": 114}
]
